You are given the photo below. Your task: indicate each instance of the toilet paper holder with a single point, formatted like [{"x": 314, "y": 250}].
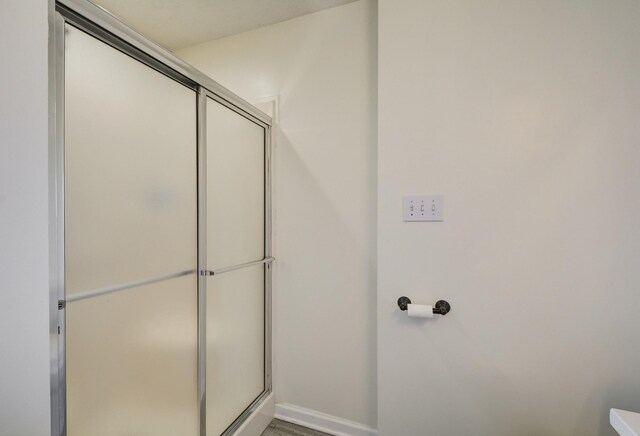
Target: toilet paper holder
[{"x": 441, "y": 307}]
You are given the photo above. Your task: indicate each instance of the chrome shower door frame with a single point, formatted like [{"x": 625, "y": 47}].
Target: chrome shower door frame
[
  {"x": 267, "y": 260},
  {"x": 107, "y": 28}
]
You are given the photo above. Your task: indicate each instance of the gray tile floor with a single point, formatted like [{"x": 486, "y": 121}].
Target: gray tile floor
[{"x": 283, "y": 428}]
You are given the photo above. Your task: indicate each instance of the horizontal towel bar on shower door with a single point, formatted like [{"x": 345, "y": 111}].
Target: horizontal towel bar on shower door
[
  {"x": 121, "y": 287},
  {"x": 206, "y": 272}
]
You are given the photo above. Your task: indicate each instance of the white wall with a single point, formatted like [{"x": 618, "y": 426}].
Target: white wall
[
  {"x": 524, "y": 114},
  {"x": 24, "y": 264},
  {"x": 322, "y": 67}
]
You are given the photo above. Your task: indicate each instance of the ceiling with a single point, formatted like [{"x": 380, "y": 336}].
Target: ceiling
[{"x": 176, "y": 24}]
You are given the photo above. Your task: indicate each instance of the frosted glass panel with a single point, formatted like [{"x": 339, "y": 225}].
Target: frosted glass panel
[
  {"x": 235, "y": 344},
  {"x": 235, "y": 188},
  {"x": 131, "y": 361},
  {"x": 130, "y": 168}
]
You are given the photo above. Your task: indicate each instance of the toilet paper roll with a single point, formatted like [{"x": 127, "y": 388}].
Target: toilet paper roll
[{"x": 420, "y": 311}]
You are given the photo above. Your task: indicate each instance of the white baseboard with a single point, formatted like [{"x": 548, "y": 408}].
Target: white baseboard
[
  {"x": 322, "y": 422},
  {"x": 259, "y": 419}
]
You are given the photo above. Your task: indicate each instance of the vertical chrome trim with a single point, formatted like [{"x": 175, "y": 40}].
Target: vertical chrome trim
[
  {"x": 268, "y": 253},
  {"x": 56, "y": 222},
  {"x": 53, "y": 229},
  {"x": 202, "y": 260}
]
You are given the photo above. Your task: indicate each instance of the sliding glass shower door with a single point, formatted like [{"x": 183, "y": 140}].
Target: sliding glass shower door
[
  {"x": 164, "y": 306},
  {"x": 130, "y": 245},
  {"x": 235, "y": 293}
]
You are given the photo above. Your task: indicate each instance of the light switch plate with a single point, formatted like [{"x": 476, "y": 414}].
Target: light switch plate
[{"x": 422, "y": 207}]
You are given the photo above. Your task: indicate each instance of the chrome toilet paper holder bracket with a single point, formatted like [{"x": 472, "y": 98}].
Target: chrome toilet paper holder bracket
[{"x": 441, "y": 307}]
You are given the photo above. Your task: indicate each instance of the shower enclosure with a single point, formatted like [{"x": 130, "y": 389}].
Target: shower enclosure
[{"x": 161, "y": 256}]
